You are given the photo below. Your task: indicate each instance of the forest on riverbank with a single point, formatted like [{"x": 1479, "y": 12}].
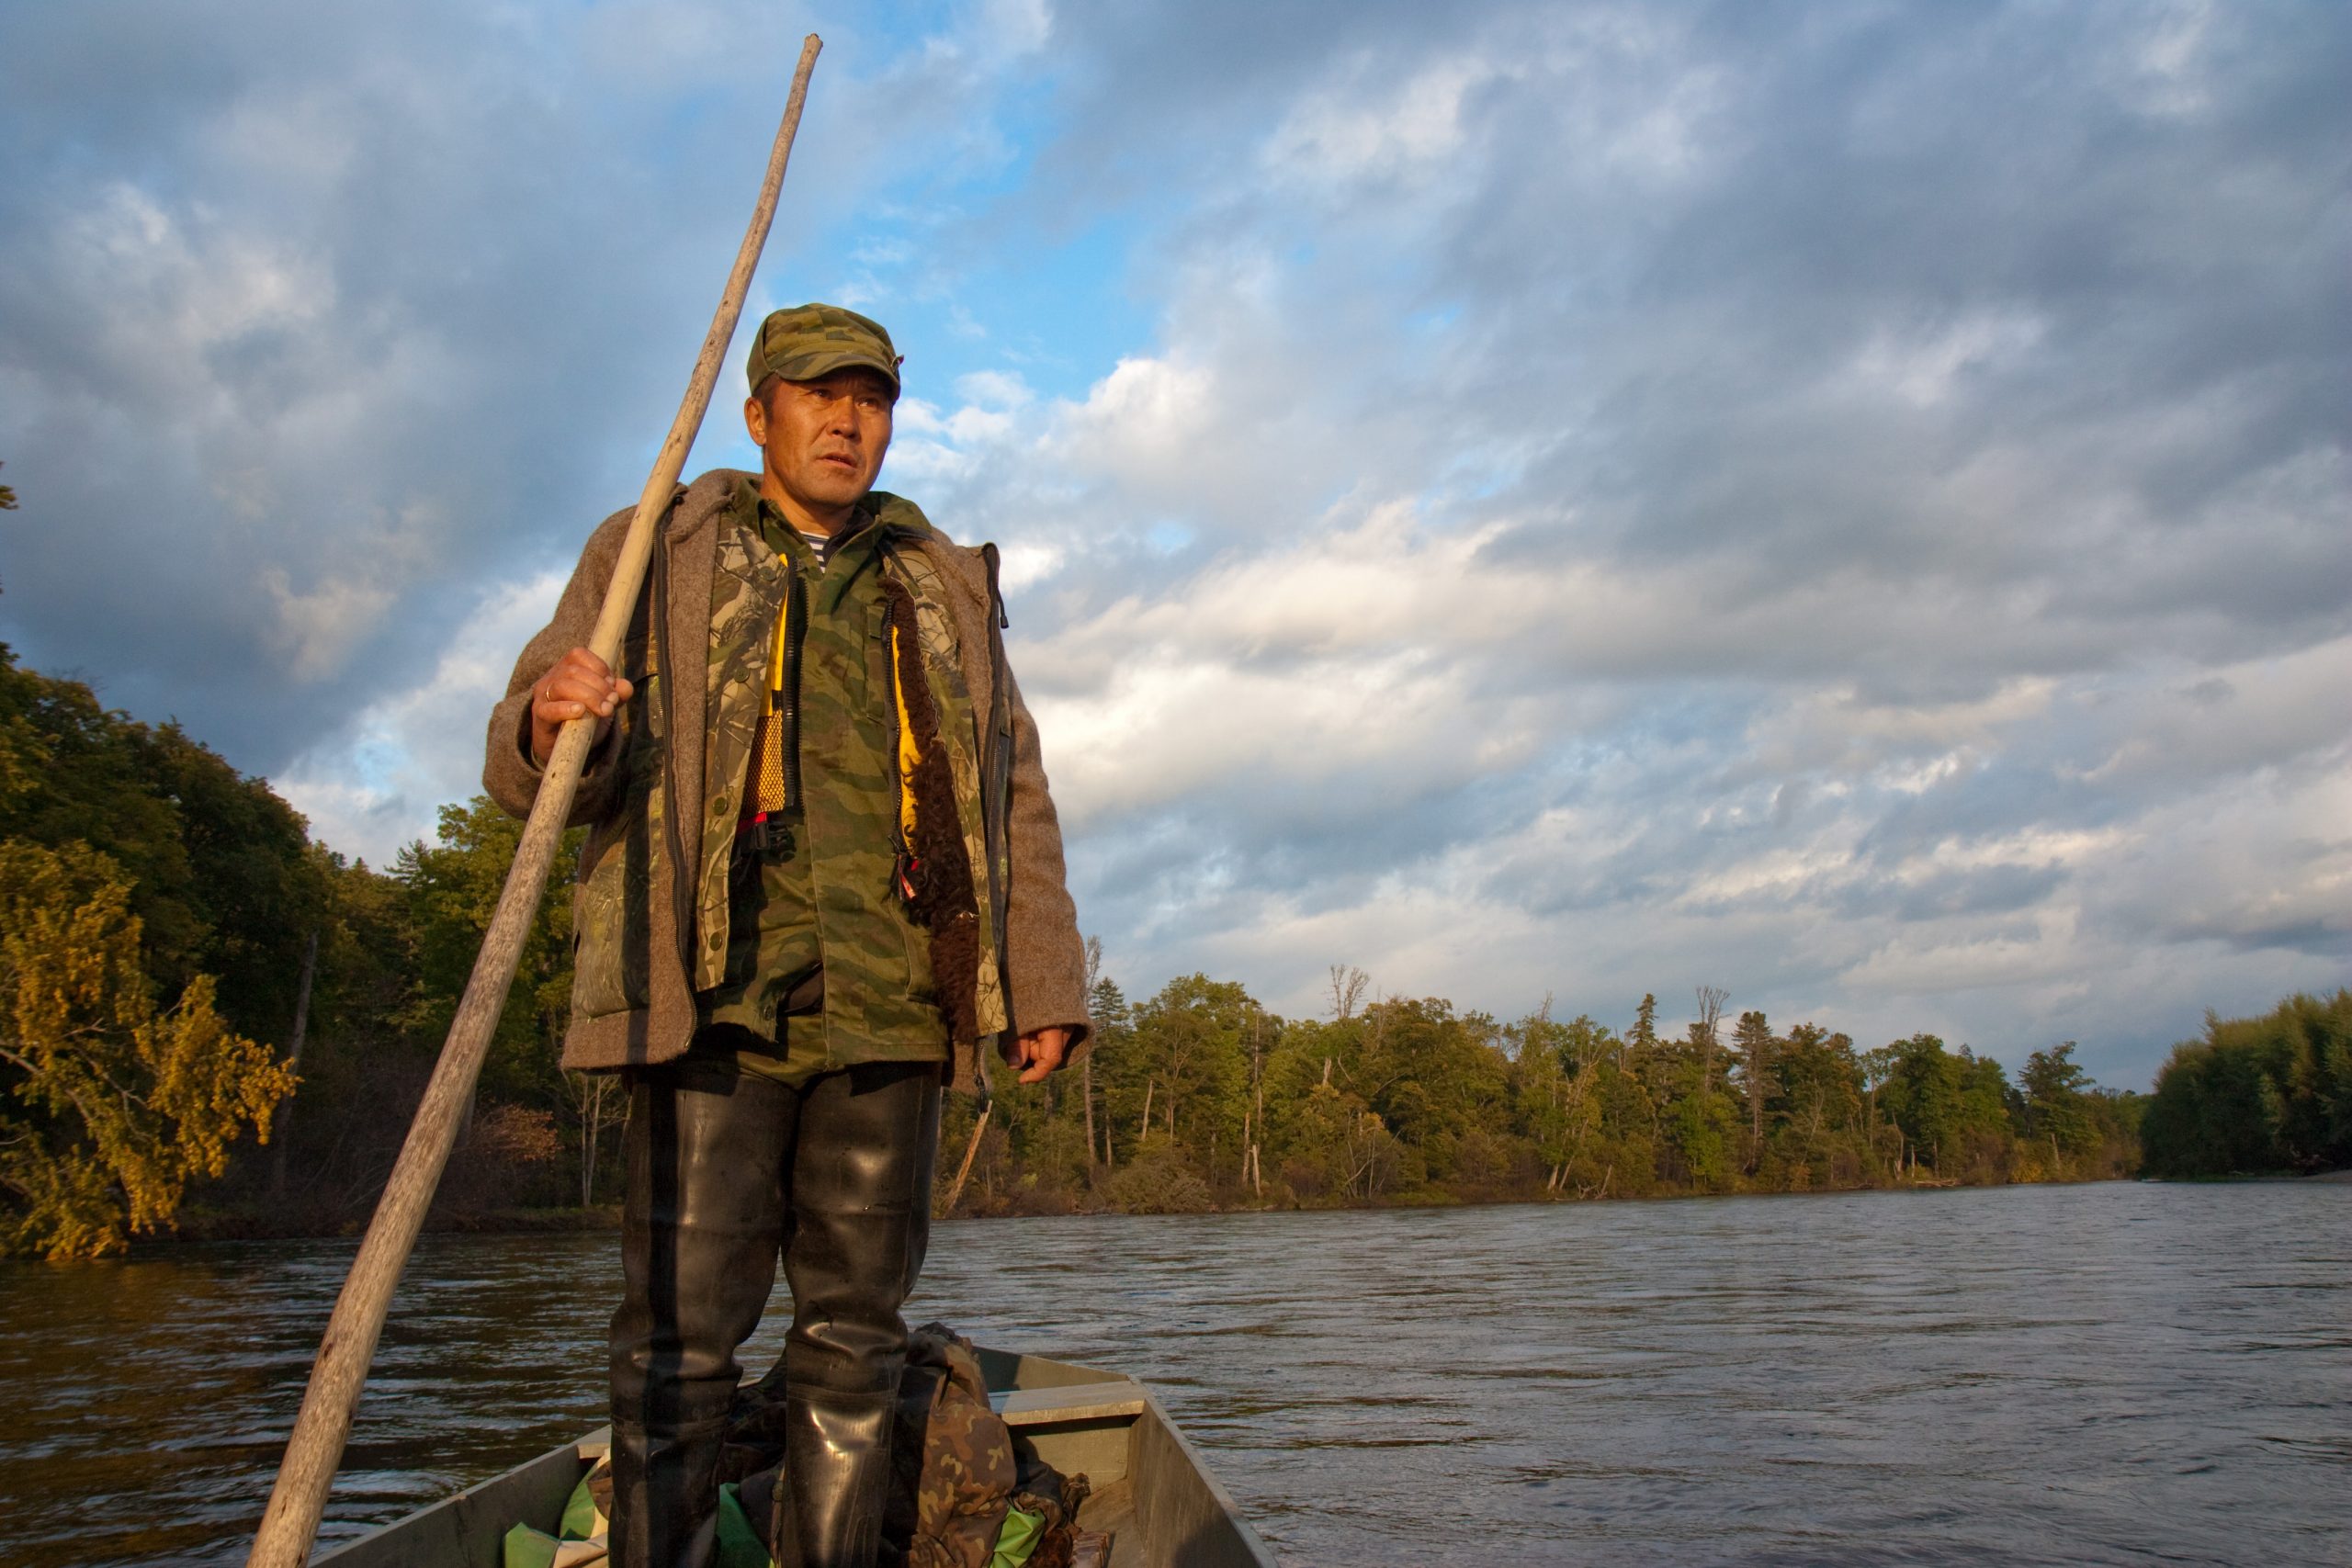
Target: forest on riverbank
[
  {"x": 2269, "y": 1093},
  {"x": 182, "y": 969}
]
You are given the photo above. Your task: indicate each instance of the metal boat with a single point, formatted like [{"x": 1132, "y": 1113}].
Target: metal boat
[{"x": 1150, "y": 1490}]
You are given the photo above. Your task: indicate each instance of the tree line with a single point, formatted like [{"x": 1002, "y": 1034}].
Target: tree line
[
  {"x": 1199, "y": 1097},
  {"x": 184, "y": 973}
]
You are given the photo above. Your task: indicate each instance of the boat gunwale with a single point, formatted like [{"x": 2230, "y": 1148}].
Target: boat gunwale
[{"x": 1037, "y": 1394}]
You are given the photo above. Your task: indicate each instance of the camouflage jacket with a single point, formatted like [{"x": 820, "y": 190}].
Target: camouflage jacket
[{"x": 647, "y": 940}]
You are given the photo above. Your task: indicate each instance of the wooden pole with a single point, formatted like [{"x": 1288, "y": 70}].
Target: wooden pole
[
  {"x": 315, "y": 1447},
  {"x": 964, "y": 1171}
]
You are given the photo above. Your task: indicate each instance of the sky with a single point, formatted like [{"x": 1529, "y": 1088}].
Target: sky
[{"x": 1845, "y": 502}]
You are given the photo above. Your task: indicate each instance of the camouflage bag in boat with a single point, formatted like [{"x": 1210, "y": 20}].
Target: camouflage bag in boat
[
  {"x": 960, "y": 1495},
  {"x": 962, "y": 1498}
]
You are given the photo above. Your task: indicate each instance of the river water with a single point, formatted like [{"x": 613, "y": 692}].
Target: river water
[{"x": 2098, "y": 1374}]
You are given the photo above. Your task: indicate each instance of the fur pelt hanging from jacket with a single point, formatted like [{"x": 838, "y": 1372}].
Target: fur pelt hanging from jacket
[{"x": 936, "y": 868}]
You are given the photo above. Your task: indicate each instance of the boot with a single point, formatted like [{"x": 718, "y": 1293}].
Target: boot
[
  {"x": 861, "y": 1217},
  {"x": 836, "y": 1479},
  {"x": 659, "y": 1517},
  {"x": 701, "y": 1225}
]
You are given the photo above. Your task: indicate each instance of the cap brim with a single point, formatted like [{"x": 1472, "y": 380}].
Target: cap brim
[{"x": 810, "y": 367}]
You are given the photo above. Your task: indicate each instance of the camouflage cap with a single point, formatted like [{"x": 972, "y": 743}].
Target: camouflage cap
[{"x": 805, "y": 342}]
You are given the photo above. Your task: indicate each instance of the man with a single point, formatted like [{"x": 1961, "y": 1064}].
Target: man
[{"x": 822, "y": 872}]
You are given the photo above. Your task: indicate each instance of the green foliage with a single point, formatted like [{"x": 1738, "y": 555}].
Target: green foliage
[
  {"x": 453, "y": 887},
  {"x": 1702, "y": 1129},
  {"x": 1339, "y": 1149},
  {"x": 1187, "y": 1042},
  {"x": 2057, "y": 1101},
  {"x": 1406, "y": 1101},
  {"x": 83, "y": 780},
  {"x": 219, "y": 869},
  {"x": 1159, "y": 1180},
  {"x": 2270, "y": 1093},
  {"x": 118, "y": 1104},
  {"x": 1952, "y": 1110}
]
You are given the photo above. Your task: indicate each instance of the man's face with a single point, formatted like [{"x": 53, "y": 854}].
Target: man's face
[{"x": 823, "y": 442}]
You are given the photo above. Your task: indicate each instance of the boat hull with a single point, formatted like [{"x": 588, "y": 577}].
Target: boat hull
[{"x": 1150, "y": 1489}]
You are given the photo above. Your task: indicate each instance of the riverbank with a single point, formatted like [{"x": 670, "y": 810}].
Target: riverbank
[
  {"x": 227, "y": 1224},
  {"x": 209, "y": 1226},
  {"x": 213, "y": 1226}
]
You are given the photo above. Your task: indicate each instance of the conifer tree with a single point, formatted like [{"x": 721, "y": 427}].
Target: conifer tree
[{"x": 1754, "y": 1037}]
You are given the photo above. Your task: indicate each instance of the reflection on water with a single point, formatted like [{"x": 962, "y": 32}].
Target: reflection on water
[{"x": 2083, "y": 1374}]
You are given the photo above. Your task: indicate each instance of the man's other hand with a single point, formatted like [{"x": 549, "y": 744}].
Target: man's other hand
[
  {"x": 578, "y": 686},
  {"x": 1039, "y": 1052}
]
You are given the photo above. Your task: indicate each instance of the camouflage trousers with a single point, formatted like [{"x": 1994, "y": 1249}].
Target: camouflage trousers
[{"x": 728, "y": 1172}]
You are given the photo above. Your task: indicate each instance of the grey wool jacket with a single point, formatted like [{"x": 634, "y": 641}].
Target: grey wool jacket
[{"x": 1040, "y": 956}]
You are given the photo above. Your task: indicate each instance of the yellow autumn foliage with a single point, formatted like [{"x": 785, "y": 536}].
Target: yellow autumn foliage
[{"x": 118, "y": 1104}]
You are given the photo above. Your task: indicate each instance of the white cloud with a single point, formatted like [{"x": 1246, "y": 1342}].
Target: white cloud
[
  {"x": 1921, "y": 368},
  {"x": 2168, "y": 56},
  {"x": 1347, "y": 134},
  {"x": 373, "y": 785},
  {"x": 1149, "y": 423},
  {"x": 167, "y": 290},
  {"x": 317, "y": 628},
  {"x": 1924, "y": 965}
]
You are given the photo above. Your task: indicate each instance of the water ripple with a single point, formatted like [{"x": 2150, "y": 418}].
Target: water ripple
[{"x": 2105, "y": 1374}]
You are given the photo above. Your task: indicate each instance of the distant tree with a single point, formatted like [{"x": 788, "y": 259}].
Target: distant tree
[
  {"x": 1821, "y": 1081},
  {"x": 1703, "y": 1129},
  {"x": 1753, "y": 1036},
  {"x": 1951, "y": 1107},
  {"x": 597, "y": 1103},
  {"x": 255, "y": 890},
  {"x": 1575, "y": 1045},
  {"x": 1922, "y": 1092},
  {"x": 1348, "y": 984},
  {"x": 1623, "y": 1156},
  {"x": 1254, "y": 1123},
  {"x": 1110, "y": 1065},
  {"x": 1343, "y": 1149},
  {"x": 1555, "y": 1106},
  {"x": 1093, "y": 950},
  {"x": 453, "y": 886},
  {"x": 120, "y": 1103},
  {"x": 1644, "y": 1036},
  {"x": 1190, "y": 1043},
  {"x": 2057, "y": 1107},
  {"x": 2272, "y": 1092},
  {"x": 1877, "y": 1067},
  {"x": 1108, "y": 1006},
  {"x": 1429, "y": 1072},
  {"x": 1824, "y": 1136},
  {"x": 1585, "y": 1042},
  {"x": 1703, "y": 1034},
  {"x": 24, "y": 756},
  {"x": 363, "y": 1065}
]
